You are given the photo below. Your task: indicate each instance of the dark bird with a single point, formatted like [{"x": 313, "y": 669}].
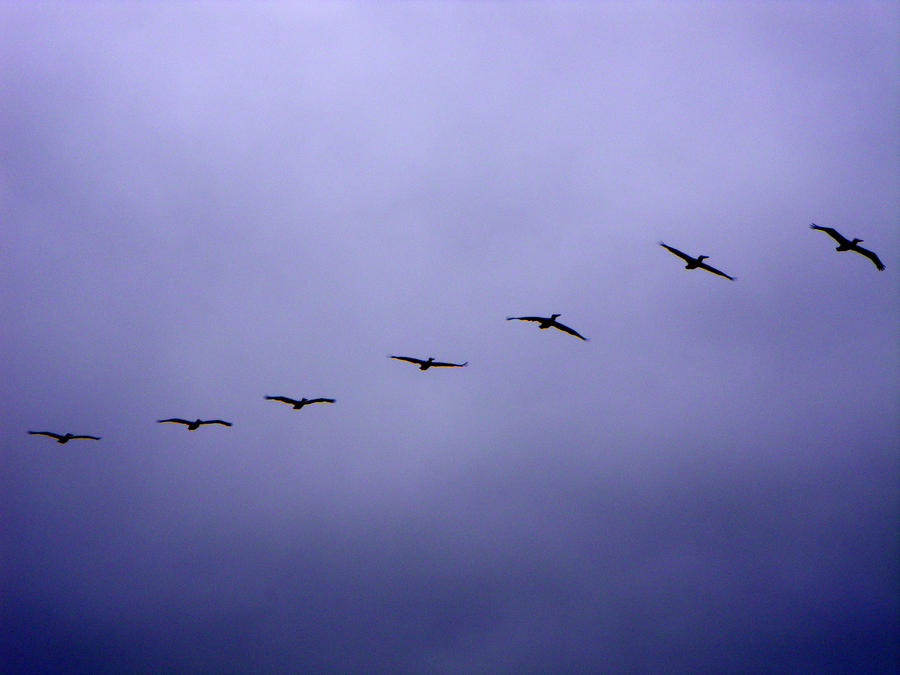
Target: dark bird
[
  {"x": 548, "y": 322},
  {"x": 845, "y": 244},
  {"x": 62, "y": 439},
  {"x": 430, "y": 363},
  {"x": 694, "y": 263},
  {"x": 192, "y": 426},
  {"x": 299, "y": 404}
]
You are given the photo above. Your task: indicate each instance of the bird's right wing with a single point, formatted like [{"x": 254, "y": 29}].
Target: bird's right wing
[
  {"x": 449, "y": 365},
  {"x": 408, "y": 358},
  {"x": 321, "y": 400},
  {"x": 675, "y": 251},
  {"x": 46, "y": 433},
  {"x": 177, "y": 420},
  {"x": 526, "y": 318},
  {"x": 93, "y": 438},
  {"x": 831, "y": 232},
  {"x": 283, "y": 399},
  {"x": 227, "y": 424}
]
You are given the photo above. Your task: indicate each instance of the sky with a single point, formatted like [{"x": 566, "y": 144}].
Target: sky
[{"x": 206, "y": 203}]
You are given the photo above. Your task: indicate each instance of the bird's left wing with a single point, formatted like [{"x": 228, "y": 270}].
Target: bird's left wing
[
  {"x": 93, "y": 438},
  {"x": 871, "y": 256},
  {"x": 321, "y": 400},
  {"x": 450, "y": 365},
  {"x": 709, "y": 268},
  {"x": 227, "y": 424},
  {"x": 571, "y": 331}
]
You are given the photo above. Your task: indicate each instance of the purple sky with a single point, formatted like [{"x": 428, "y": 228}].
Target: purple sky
[{"x": 203, "y": 204}]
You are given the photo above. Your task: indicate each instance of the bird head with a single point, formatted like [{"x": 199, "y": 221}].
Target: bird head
[
  {"x": 701, "y": 257},
  {"x": 553, "y": 316}
]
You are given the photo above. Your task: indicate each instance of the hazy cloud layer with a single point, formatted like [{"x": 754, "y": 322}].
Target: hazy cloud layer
[{"x": 204, "y": 204}]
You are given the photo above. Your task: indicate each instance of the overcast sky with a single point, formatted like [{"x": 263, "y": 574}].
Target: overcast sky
[{"x": 202, "y": 204}]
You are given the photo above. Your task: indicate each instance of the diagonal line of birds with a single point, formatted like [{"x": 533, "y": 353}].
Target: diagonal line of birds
[{"x": 544, "y": 322}]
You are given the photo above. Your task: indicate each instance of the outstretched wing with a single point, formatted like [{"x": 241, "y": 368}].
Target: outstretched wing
[
  {"x": 831, "y": 232},
  {"x": 526, "y": 318},
  {"x": 870, "y": 255},
  {"x": 46, "y": 433},
  {"x": 571, "y": 331},
  {"x": 227, "y": 424},
  {"x": 450, "y": 365},
  {"x": 709, "y": 268},
  {"x": 675, "y": 251},
  {"x": 93, "y": 438},
  {"x": 177, "y": 420},
  {"x": 283, "y": 399},
  {"x": 322, "y": 400},
  {"x": 409, "y": 358}
]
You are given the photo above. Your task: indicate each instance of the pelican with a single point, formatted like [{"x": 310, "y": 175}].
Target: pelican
[
  {"x": 548, "y": 322},
  {"x": 694, "y": 263},
  {"x": 299, "y": 404},
  {"x": 192, "y": 426},
  {"x": 64, "y": 438},
  {"x": 430, "y": 363},
  {"x": 845, "y": 244}
]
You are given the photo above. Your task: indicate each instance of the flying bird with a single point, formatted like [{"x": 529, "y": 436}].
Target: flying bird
[
  {"x": 549, "y": 322},
  {"x": 430, "y": 363},
  {"x": 192, "y": 426},
  {"x": 299, "y": 404},
  {"x": 845, "y": 244},
  {"x": 64, "y": 438},
  {"x": 694, "y": 263}
]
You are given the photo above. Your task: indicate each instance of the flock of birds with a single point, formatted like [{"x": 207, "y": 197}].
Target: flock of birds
[{"x": 543, "y": 322}]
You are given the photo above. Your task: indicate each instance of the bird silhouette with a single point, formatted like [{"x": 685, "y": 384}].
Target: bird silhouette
[
  {"x": 65, "y": 438},
  {"x": 299, "y": 404},
  {"x": 845, "y": 244},
  {"x": 430, "y": 363},
  {"x": 192, "y": 426},
  {"x": 549, "y": 322},
  {"x": 695, "y": 263}
]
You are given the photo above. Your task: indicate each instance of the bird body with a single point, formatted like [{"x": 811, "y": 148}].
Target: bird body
[
  {"x": 548, "y": 322},
  {"x": 64, "y": 438},
  {"x": 193, "y": 426},
  {"x": 695, "y": 263},
  {"x": 430, "y": 363},
  {"x": 297, "y": 405},
  {"x": 845, "y": 244}
]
